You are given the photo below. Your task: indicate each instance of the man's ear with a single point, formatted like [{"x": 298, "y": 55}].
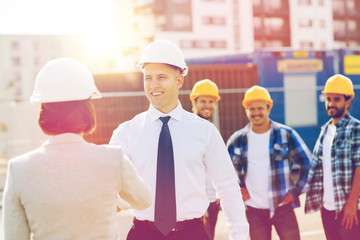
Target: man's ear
[
  {"x": 348, "y": 103},
  {"x": 180, "y": 81}
]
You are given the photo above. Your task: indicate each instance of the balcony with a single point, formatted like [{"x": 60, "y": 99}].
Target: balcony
[
  {"x": 272, "y": 34},
  {"x": 268, "y": 9}
]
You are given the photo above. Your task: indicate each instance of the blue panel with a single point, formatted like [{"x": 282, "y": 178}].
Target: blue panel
[
  {"x": 277, "y": 112},
  {"x": 242, "y": 59},
  {"x": 309, "y": 135},
  {"x": 355, "y": 104}
]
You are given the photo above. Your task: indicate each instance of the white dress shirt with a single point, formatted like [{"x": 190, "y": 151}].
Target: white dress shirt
[
  {"x": 67, "y": 189},
  {"x": 210, "y": 190},
  {"x": 198, "y": 147}
]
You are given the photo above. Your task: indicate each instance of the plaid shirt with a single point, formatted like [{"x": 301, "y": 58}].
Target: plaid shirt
[
  {"x": 345, "y": 157},
  {"x": 289, "y": 162}
]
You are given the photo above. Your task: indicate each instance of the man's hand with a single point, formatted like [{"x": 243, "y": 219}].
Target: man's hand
[
  {"x": 350, "y": 208},
  {"x": 245, "y": 194},
  {"x": 349, "y": 217},
  {"x": 287, "y": 199}
]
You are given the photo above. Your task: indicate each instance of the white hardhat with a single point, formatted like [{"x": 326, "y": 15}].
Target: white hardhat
[
  {"x": 64, "y": 79},
  {"x": 163, "y": 51}
]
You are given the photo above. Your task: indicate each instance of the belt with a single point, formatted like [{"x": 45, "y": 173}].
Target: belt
[{"x": 182, "y": 225}]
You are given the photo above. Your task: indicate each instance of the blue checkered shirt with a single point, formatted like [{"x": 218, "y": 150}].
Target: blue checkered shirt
[
  {"x": 345, "y": 157},
  {"x": 289, "y": 162}
]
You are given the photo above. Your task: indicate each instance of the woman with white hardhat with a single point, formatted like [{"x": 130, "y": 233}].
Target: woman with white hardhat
[{"x": 67, "y": 188}]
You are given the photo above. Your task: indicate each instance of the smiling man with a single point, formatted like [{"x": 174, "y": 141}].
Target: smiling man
[
  {"x": 204, "y": 98},
  {"x": 334, "y": 177},
  {"x": 174, "y": 151},
  {"x": 268, "y": 157}
]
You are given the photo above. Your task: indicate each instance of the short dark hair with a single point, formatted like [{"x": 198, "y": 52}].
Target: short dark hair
[{"x": 67, "y": 117}]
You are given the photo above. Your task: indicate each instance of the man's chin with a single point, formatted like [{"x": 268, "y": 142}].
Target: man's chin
[
  {"x": 332, "y": 114},
  {"x": 204, "y": 116}
]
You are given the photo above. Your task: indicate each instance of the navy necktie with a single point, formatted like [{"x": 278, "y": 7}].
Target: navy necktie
[{"x": 165, "y": 203}]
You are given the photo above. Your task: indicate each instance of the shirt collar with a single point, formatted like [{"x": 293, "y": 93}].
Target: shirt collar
[
  {"x": 64, "y": 138},
  {"x": 343, "y": 121},
  {"x": 339, "y": 124},
  {"x": 247, "y": 128},
  {"x": 176, "y": 113}
]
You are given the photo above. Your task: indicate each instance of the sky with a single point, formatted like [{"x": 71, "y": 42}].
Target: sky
[{"x": 54, "y": 16}]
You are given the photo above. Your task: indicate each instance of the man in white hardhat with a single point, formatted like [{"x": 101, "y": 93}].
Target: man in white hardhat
[
  {"x": 67, "y": 188},
  {"x": 204, "y": 98},
  {"x": 174, "y": 150},
  {"x": 334, "y": 176}
]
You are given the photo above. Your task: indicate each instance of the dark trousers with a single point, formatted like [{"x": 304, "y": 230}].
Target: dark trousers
[
  {"x": 284, "y": 221},
  {"x": 333, "y": 228},
  {"x": 211, "y": 219},
  {"x": 194, "y": 231}
]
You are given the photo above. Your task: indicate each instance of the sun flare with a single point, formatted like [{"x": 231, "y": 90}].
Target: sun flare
[{"x": 99, "y": 26}]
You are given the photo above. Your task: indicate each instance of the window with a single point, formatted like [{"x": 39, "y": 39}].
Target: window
[
  {"x": 181, "y": 22},
  {"x": 143, "y": 2},
  {"x": 351, "y": 26},
  {"x": 338, "y": 6},
  {"x": 258, "y": 44},
  {"x": 160, "y": 20},
  {"x": 256, "y": 3},
  {"x": 340, "y": 44},
  {"x": 274, "y": 43},
  {"x": 202, "y": 44},
  {"x": 16, "y": 61},
  {"x": 214, "y": 20},
  {"x": 36, "y": 45},
  {"x": 305, "y": 23},
  {"x": 322, "y": 23},
  {"x": 339, "y": 27},
  {"x": 353, "y": 44},
  {"x": 304, "y": 2},
  {"x": 273, "y": 4},
  {"x": 218, "y": 44},
  {"x": 36, "y": 61},
  {"x": 306, "y": 44},
  {"x": 274, "y": 24},
  {"x": 15, "y": 45},
  {"x": 350, "y": 4},
  {"x": 257, "y": 23},
  {"x": 186, "y": 44},
  {"x": 180, "y": 1}
]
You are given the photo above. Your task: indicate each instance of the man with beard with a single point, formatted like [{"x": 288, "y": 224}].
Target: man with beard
[
  {"x": 334, "y": 176},
  {"x": 204, "y": 97},
  {"x": 272, "y": 163}
]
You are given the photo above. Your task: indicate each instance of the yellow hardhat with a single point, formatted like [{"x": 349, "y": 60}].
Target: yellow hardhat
[
  {"x": 205, "y": 87},
  {"x": 339, "y": 84},
  {"x": 257, "y": 93}
]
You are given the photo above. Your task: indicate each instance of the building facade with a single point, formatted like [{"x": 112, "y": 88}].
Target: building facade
[{"x": 211, "y": 27}]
